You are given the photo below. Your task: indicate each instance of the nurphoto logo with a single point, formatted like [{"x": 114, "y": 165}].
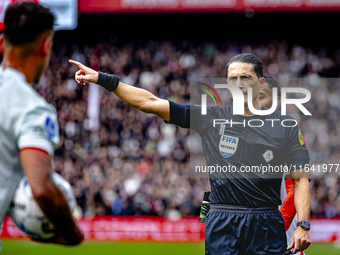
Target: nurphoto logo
[{"x": 238, "y": 100}]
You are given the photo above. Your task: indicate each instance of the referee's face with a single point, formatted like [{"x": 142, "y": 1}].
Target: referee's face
[{"x": 242, "y": 75}]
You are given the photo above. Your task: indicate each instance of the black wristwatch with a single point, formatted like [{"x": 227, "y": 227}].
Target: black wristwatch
[{"x": 305, "y": 224}]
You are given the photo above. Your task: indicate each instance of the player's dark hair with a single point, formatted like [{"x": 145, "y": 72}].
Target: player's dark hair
[
  {"x": 273, "y": 83},
  {"x": 25, "y": 21},
  {"x": 248, "y": 58}
]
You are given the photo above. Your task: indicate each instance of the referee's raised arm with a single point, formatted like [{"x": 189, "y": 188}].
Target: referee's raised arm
[{"x": 139, "y": 98}]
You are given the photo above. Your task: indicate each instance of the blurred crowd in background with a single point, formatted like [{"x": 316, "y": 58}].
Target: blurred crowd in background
[{"x": 135, "y": 164}]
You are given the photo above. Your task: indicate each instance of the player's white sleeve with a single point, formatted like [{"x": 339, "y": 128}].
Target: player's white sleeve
[{"x": 37, "y": 127}]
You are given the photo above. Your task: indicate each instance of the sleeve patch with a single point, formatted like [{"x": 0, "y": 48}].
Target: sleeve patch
[
  {"x": 301, "y": 140},
  {"x": 50, "y": 128}
]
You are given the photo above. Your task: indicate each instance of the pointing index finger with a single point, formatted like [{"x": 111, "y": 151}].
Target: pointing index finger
[{"x": 80, "y": 65}]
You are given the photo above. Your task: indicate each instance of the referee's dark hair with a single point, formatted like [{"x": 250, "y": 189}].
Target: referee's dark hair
[
  {"x": 25, "y": 21},
  {"x": 258, "y": 66},
  {"x": 273, "y": 83}
]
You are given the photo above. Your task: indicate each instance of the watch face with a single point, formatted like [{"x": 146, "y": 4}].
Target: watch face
[{"x": 306, "y": 224}]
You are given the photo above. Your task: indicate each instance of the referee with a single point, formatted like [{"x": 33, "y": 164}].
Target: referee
[{"x": 244, "y": 216}]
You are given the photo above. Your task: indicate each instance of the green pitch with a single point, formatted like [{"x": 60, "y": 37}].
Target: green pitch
[{"x": 12, "y": 247}]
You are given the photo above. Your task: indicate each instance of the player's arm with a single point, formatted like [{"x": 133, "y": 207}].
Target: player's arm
[
  {"x": 287, "y": 209},
  {"x": 38, "y": 170},
  {"x": 139, "y": 98}
]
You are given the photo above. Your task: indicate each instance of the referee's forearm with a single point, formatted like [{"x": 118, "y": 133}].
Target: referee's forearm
[
  {"x": 143, "y": 100},
  {"x": 136, "y": 97},
  {"x": 302, "y": 198}
]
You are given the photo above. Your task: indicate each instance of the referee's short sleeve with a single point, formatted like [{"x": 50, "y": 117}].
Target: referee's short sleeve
[
  {"x": 189, "y": 116},
  {"x": 179, "y": 115},
  {"x": 297, "y": 152}
]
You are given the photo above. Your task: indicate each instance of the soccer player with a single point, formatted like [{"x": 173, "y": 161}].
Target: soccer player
[
  {"x": 244, "y": 216},
  {"x": 28, "y": 124},
  {"x": 287, "y": 209}
]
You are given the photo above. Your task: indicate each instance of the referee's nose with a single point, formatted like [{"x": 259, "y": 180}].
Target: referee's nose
[{"x": 240, "y": 85}]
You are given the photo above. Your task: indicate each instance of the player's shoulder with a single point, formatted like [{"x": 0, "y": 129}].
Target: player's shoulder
[{"x": 18, "y": 94}]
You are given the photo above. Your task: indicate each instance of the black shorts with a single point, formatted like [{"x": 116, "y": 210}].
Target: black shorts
[{"x": 235, "y": 230}]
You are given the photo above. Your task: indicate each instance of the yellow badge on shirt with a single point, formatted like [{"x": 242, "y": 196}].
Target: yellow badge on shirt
[{"x": 302, "y": 142}]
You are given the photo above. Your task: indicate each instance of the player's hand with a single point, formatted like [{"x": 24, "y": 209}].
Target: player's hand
[
  {"x": 300, "y": 240},
  {"x": 59, "y": 240},
  {"x": 77, "y": 238},
  {"x": 85, "y": 74},
  {"x": 54, "y": 240}
]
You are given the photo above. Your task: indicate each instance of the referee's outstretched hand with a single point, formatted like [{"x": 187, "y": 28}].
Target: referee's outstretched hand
[
  {"x": 300, "y": 240},
  {"x": 85, "y": 74}
]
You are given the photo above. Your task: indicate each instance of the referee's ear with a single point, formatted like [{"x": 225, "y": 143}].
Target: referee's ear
[{"x": 278, "y": 101}]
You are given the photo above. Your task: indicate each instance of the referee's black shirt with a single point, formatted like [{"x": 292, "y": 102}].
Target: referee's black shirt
[{"x": 239, "y": 147}]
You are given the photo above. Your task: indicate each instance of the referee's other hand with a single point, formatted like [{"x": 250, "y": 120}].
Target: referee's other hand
[{"x": 300, "y": 240}]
